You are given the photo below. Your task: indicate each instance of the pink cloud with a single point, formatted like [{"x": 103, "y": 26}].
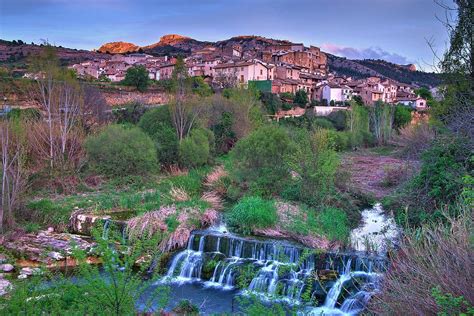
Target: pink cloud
[{"x": 365, "y": 53}]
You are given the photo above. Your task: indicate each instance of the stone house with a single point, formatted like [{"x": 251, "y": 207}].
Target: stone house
[{"x": 245, "y": 71}]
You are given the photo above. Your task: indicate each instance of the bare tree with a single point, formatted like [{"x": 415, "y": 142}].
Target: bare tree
[{"x": 13, "y": 180}]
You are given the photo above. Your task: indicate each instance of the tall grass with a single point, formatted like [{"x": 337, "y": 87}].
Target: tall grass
[{"x": 251, "y": 213}]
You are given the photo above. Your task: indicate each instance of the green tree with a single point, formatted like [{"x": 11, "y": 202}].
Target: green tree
[
  {"x": 259, "y": 160},
  {"x": 401, "y": 117},
  {"x": 157, "y": 124},
  {"x": 301, "y": 98},
  {"x": 195, "y": 150},
  {"x": 137, "y": 77},
  {"x": 118, "y": 151}
]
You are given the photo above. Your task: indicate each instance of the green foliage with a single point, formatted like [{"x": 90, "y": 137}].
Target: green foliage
[
  {"x": 118, "y": 151},
  {"x": 381, "y": 121},
  {"x": 259, "y": 160},
  {"x": 200, "y": 87},
  {"x": 129, "y": 113},
  {"x": 157, "y": 124},
  {"x": 315, "y": 162},
  {"x": 194, "y": 150},
  {"x": 271, "y": 102},
  {"x": 334, "y": 224},
  {"x": 301, "y": 98},
  {"x": 339, "y": 141},
  {"x": 322, "y": 122},
  {"x": 451, "y": 305},
  {"x": 286, "y": 106},
  {"x": 137, "y": 76},
  {"x": 287, "y": 96},
  {"x": 225, "y": 137},
  {"x": 113, "y": 289},
  {"x": 338, "y": 119},
  {"x": 46, "y": 212},
  {"x": 186, "y": 307},
  {"x": 402, "y": 116},
  {"x": 443, "y": 168},
  {"x": 252, "y": 213}
]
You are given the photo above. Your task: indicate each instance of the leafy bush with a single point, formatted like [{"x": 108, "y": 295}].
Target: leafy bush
[
  {"x": 287, "y": 96},
  {"x": 118, "y": 151},
  {"x": 259, "y": 160},
  {"x": 401, "y": 117},
  {"x": 194, "y": 150},
  {"x": 157, "y": 124},
  {"x": 286, "y": 106},
  {"x": 339, "y": 141},
  {"x": 338, "y": 119},
  {"x": 252, "y": 213},
  {"x": 271, "y": 102},
  {"x": 225, "y": 137},
  {"x": 322, "y": 123}
]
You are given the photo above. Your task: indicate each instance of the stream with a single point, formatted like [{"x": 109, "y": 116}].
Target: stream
[{"x": 217, "y": 267}]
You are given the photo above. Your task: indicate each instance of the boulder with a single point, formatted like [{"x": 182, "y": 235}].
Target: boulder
[{"x": 6, "y": 267}]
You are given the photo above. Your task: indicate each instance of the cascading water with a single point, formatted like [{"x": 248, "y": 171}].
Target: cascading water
[{"x": 278, "y": 271}]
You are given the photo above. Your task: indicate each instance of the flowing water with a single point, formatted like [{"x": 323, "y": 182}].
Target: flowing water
[{"x": 276, "y": 271}]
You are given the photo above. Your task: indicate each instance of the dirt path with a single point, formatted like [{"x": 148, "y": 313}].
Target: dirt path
[{"x": 375, "y": 175}]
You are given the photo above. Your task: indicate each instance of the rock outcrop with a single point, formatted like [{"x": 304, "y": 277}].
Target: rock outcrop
[{"x": 118, "y": 48}]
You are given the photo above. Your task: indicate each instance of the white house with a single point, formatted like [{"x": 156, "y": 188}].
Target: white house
[
  {"x": 417, "y": 103},
  {"x": 337, "y": 93},
  {"x": 245, "y": 71}
]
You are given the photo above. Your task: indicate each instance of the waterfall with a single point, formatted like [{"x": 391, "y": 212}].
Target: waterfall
[
  {"x": 105, "y": 229},
  {"x": 279, "y": 270}
]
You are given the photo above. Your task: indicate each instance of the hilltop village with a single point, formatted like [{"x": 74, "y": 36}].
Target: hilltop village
[{"x": 280, "y": 67}]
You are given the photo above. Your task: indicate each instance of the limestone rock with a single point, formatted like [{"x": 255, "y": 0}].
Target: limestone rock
[{"x": 6, "y": 267}]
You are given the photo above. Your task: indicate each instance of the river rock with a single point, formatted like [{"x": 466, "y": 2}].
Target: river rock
[
  {"x": 22, "y": 276},
  {"x": 6, "y": 267},
  {"x": 30, "y": 271},
  {"x": 5, "y": 286}
]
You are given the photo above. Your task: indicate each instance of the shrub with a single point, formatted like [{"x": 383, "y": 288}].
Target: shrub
[
  {"x": 252, "y": 213},
  {"x": 194, "y": 150},
  {"x": 118, "y": 151},
  {"x": 271, "y": 102},
  {"x": 338, "y": 119},
  {"x": 286, "y": 106},
  {"x": 431, "y": 271},
  {"x": 259, "y": 160},
  {"x": 322, "y": 123},
  {"x": 157, "y": 124},
  {"x": 339, "y": 141},
  {"x": 401, "y": 117}
]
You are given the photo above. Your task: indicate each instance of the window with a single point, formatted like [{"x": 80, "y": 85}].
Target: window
[
  {"x": 241, "y": 78},
  {"x": 261, "y": 71},
  {"x": 241, "y": 68}
]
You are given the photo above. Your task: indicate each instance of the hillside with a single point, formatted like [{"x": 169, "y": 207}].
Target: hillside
[
  {"x": 381, "y": 68},
  {"x": 14, "y": 52}
]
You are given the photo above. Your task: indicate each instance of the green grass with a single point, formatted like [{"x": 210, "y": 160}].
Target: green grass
[
  {"x": 252, "y": 212},
  {"x": 131, "y": 194}
]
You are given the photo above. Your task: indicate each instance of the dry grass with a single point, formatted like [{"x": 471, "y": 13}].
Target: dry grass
[
  {"x": 433, "y": 256},
  {"x": 214, "y": 199},
  {"x": 175, "y": 170},
  {"x": 414, "y": 139},
  {"x": 153, "y": 224},
  {"x": 179, "y": 194},
  {"x": 214, "y": 176}
]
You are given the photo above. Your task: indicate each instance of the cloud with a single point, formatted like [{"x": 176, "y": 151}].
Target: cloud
[{"x": 366, "y": 53}]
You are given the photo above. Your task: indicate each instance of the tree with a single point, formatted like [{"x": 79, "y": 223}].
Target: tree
[
  {"x": 401, "y": 117},
  {"x": 61, "y": 98},
  {"x": 118, "y": 151},
  {"x": 157, "y": 124},
  {"x": 381, "y": 121},
  {"x": 259, "y": 160},
  {"x": 301, "y": 98},
  {"x": 194, "y": 150},
  {"x": 271, "y": 102},
  {"x": 137, "y": 77},
  {"x": 13, "y": 172}
]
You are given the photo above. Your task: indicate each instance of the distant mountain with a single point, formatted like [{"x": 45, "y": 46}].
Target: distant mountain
[
  {"x": 118, "y": 48},
  {"x": 381, "y": 68}
]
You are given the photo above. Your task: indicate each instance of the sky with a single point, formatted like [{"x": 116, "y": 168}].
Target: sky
[{"x": 394, "y": 30}]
